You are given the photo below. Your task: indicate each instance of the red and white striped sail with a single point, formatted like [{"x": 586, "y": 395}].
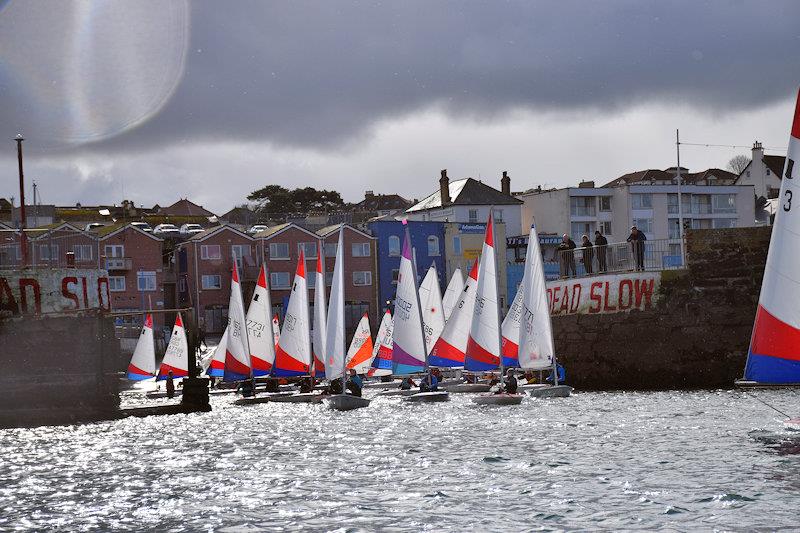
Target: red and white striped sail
[
  {"x": 382, "y": 351},
  {"x": 536, "y": 350},
  {"x": 334, "y": 331},
  {"x": 259, "y": 327},
  {"x": 276, "y": 329},
  {"x": 176, "y": 358},
  {"x": 510, "y": 328},
  {"x": 216, "y": 366},
  {"x": 774, "y": 355},
  {"x": 430, "y": 297},
  {"x": 449, "y": 349},
  {"x": 483, "y": 346},
  {"x": 293, "y": 353},
  {"x": 238, "y": 366},
  {"x": 453, "y": 293},
  {"x": 359, "y": 355},
  {"x": 319, "y": 320},
  {"x": 143, "y": 361}
]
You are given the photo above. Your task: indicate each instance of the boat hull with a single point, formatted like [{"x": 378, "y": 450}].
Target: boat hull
[
  {"x": 262, "y": 398},
  {"x": 428, "y": 397},
  {"x": 552, "y": 391},
  {"x": 302, "y": 397},
  {"x": 162, "y": 394},
  {"x": 345, "y": 402},
  {"x": 749, "y": 384},
  {"x": 382, "y": 384},
  {"x": 499, "y": 399},
  {"x": 468, "y": 387},
  {"x": 398, "y": 392}
]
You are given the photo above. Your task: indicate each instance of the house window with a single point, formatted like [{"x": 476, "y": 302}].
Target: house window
[
  {"x": 457, "y": 244},
  {"x": 309, "y": 249},
  {"x": 329, "y": 278},
  {"x": 581, "y": 206},
  {"x": 701, "y": 223},
  {"x": 605, "y": 203},
  {"x": 278, "y": 250},
  {"x": 116, "y": 283},
  {"x": 720, "y": 223},
  {"x": 642, "y": 201},
  {"x": 362, "y": 278},
  {"x": 210, "y": 251},
  {"x": 330, "y": 249},
  {"x": 360, "y": 249},
  {"x": 240, "y": 251},
  {"x": 674, "y": 229},
  {"x": 605, "y": 228},
  {"x": 182, "y": 285},
  {"x": 395, "y": 275},
  {"x": 279, "y": 280},
  {"x": 115, "y": 250},
  {"x": 353, "y": 313},
  {"x": 473, "y": 215},
  {"x": 768, "y": 172},
  {"x": 578, "y": 229},
  {"x": 701, "y": 204},
  {"x": 645, "y": 225},
  {"x": 146, "y": 280},
  {"x": 433, "y": 245},
  {"x": 48, "y": 252},
  {"x": 723, "y": 203},
  {"x": 83, "y": 252},
  {"x": 498, "y": 215},
  {"x": 211, "y": 281},
  {"x": 394, "y": 246}
]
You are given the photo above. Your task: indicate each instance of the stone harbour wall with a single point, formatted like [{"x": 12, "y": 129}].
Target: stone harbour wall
[{"x": 695, "y": 336}]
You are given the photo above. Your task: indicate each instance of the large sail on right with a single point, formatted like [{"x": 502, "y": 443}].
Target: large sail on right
[
  {"x": 536, "y": 348},
  {"x": 774, "y": 355}
]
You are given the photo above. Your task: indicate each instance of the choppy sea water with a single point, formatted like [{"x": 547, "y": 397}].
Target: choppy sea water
[{"x": 672, "y": 460}]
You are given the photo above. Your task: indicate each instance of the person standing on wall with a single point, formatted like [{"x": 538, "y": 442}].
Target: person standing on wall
[
  {"x": 588, "y": 254},
  {"x": 637, "y": 238},
  {"x": 600, "y": 243},
  {"x": 567, "y": 256}
]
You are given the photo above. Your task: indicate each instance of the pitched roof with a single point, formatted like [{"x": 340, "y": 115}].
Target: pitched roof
[
  {"x": 327, "y": 230},
  {"x": 109, "y": 231},
  {"x": 274, "y": 231},
  {"x": 655, "y": 175},
  {"x": 775, "y": 163},
  {"x": 217, "y": 229},
  {"x": 383, "y": 202},
  {"x": 467, "y": 191},
  {"x": 184, "y": 207}
]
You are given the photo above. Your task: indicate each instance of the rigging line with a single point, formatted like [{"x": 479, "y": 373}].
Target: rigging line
[
  {"x": 765, "y": 403},
  {"x": 710, "y": 145}
]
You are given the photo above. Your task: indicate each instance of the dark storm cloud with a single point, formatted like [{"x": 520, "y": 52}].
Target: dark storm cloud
[{"x": 316, "y": 74}]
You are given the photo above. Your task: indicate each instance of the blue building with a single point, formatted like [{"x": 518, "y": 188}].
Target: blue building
[
  {"x": 427, "y": 239},
  {"x": 517, "y": 249}
]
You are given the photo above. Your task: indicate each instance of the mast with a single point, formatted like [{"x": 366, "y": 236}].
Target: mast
[
  {"x": 416, "y": 293},
  {"x": 340, "y": 255},
  {"x": 497, "y": 291}
]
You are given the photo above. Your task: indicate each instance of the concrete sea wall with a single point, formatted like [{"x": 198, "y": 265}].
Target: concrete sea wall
[{"x": 694, "y": 335}]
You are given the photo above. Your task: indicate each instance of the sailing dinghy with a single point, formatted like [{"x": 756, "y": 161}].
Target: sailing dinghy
[
  {"x": 360, "y": 353},
  {"x": 334, "y": 338},
  {"x": 259, "y": 327},
  {"x": 143, "y": 362},
  {"x": 176, "y": 358},
  {"x": 453, "y": 293},
  {"x": 484, "y": 347},
  {"x": 319, "y": 324},
  {"x": 382, "y": 353}
]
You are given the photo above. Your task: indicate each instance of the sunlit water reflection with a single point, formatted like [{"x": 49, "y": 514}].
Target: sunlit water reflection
[{"x": 605, "y": 461}]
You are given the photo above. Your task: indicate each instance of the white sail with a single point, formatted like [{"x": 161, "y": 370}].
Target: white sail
[
  {"x": 334, "y": 337},
  {"x": 293, "y": 353},
  {"x": 453, "y": 293},
  {"x": 483, "y": 346},
  {"x": 382, "y": 351},
  {"x": 216, "y": 366},
  {"x": 319, "y": 321},
  {"x": 510, "y": 327},
  {"x": 430, "y": 296},
  {"x": 143, "y": 361},
  {"x": 536, "y": 350},
  {"x": 238, "y": 366},
  {"x": 408, "y": 353},
  {"x": 449, "y": 349},
  {"x": 176, "y": 358},
  {"x": 359, "y": 354},
  {"x": 259, "y": 327}
]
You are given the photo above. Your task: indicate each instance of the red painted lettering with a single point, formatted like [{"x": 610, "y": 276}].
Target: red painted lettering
[
  {"x": 644, "y": 288},
  {"x": 623, "y": 301},
  {"x": 576, "y": 297},
  {"x": 103, "y": 296},
  {"x": 550, "y": 300},
  {"x": 67, "y": 293},
  {"x": 564, "y": 302},
  {"x": 7, "y": 301},
  {"x": 85, "y": 294},
  {"x": 24, "y": 283},
  {"x": 555, "y": 300},
  {"x": 607, "y": 308},
  {"x": 596, "y": 298}
]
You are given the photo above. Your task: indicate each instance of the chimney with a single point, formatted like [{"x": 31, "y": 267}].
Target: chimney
[
  {"x": 369, "y": 194},
  {"x": 758, "y": 152},
  {"x": 586, "y": 184},
  {"x": 444, "y": 188},
  {"x": 505, "y": 183}
]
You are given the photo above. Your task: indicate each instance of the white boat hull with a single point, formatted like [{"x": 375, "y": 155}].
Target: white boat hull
[
  {"x": 382, "y": 384},
  {"x": 428, "y": 397},
  {"x": 345, "y": 402},
  {"x": 551, "y": 391},
  {"x": 302, "y": 397},
  {"x": 468, "y": 387},
  {"x": 499, "y": 399},
  {"x": 533, "y": 386},
  {"x": 792, "y": 424},
  {"x": 398, "y": 392}
]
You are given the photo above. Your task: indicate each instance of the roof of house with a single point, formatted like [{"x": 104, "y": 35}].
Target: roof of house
[
  {"x": 775, "y": 163},
  {"x": 109, "y": 231},
  {"x": 184, "y": 207},
  {"x": 206, "y": 233},
  {"x": 240, "y": 215},
  {"x": 60, "y": 226},
  {"x": 274, "y": 231},
  {"x": 383, "y": 202},
  {"x": 468, "y": 191},
  {"x": 327, "y": 230},
  {"x": 687, "y": 178}
]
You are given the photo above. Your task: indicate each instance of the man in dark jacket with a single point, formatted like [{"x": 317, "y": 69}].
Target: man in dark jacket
[
  {"x": 600, "y": 243},
  {"x": 511, "y": 382},
  {"x": 588, "y": 253},
  {"x": 637, "y": 238},
  {"x": 567, "y": 256}
]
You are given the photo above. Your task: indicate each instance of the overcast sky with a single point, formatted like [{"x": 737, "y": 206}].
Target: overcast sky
[{"x": 153, "y": 101}]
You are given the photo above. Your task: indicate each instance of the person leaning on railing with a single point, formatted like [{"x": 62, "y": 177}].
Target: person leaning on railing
[
  {"x": 588, "y": 253},
  {"x": 637, "y": 238},
  {"x": 567, "y": 256},
  {"x": 600, "y": 243}
]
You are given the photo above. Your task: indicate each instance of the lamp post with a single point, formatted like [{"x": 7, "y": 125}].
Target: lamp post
[{"x": 23, "y": 239}]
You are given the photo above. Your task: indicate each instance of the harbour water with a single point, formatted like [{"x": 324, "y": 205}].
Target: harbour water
[{"x": 667, "y": 460}]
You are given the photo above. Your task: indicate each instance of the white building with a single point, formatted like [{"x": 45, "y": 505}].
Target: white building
[
  {"x": 468, "y": 201},
  {"x": 647, "y": 200},
  {"x": 763, "y": 173}
]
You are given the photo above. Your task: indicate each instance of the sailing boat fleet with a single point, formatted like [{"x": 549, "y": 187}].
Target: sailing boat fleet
[{"x": 459, "y": 330}]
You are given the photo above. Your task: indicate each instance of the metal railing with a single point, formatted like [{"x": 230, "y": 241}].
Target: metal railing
[{"x": 658, "y": 254}]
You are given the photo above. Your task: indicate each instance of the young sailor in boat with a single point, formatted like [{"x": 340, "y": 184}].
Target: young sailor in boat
[
  {"x": 307, "y": 385},
  {"x": 511, "y": 383},
  {"x": 170, "y": 385},
  {"x": 429, "y": 383},
  {"x": 355, "y": 383},
  {"x": 407, "y": 383}
]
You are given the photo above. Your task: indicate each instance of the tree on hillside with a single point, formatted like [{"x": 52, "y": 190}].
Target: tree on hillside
[
  {"x": 738, "y": 163},
  {"x": 278, "y": 199}
]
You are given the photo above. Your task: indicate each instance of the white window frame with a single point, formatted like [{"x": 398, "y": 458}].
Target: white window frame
[
  {"x": 365, "y": 274},
  {"x": 647, "y": 228},
  {"x": 644, "y": 200},
  {"x": 457, "y": 245},
  {"x": 395, "y": 275},
  {"x": 360, "y": 249},
  {"x": 211, "y": 282},
  {"x": 111, "y": 251},
  {"x": 472, "y": 215},
  {"x": 116, "y": 283},
  {"x": 430, "y": 240},
  {"x": 309, "y": 249},
  {"x": 498, "y": 215},
  {"x": 276, "y": 277},
  {"x": 238, "y": 251},
  {"x": 206, "y": 252},
  {"x": 605, "y": 228},
  {"x": 80, "y": 256},
  {"x": 394, "y": 252},
  {"x": 51, "y": 256},
  {"x": 273, "y": 251},
  {"x": 146, "y": 276},
  {"x": 600, "y": 207},
  {"x": 330, "y": 249}
]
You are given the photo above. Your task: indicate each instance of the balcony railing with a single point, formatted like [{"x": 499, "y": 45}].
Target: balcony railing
[
  {"x": 658, "y": 254},
  {"x": 119, "y": 263}
]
